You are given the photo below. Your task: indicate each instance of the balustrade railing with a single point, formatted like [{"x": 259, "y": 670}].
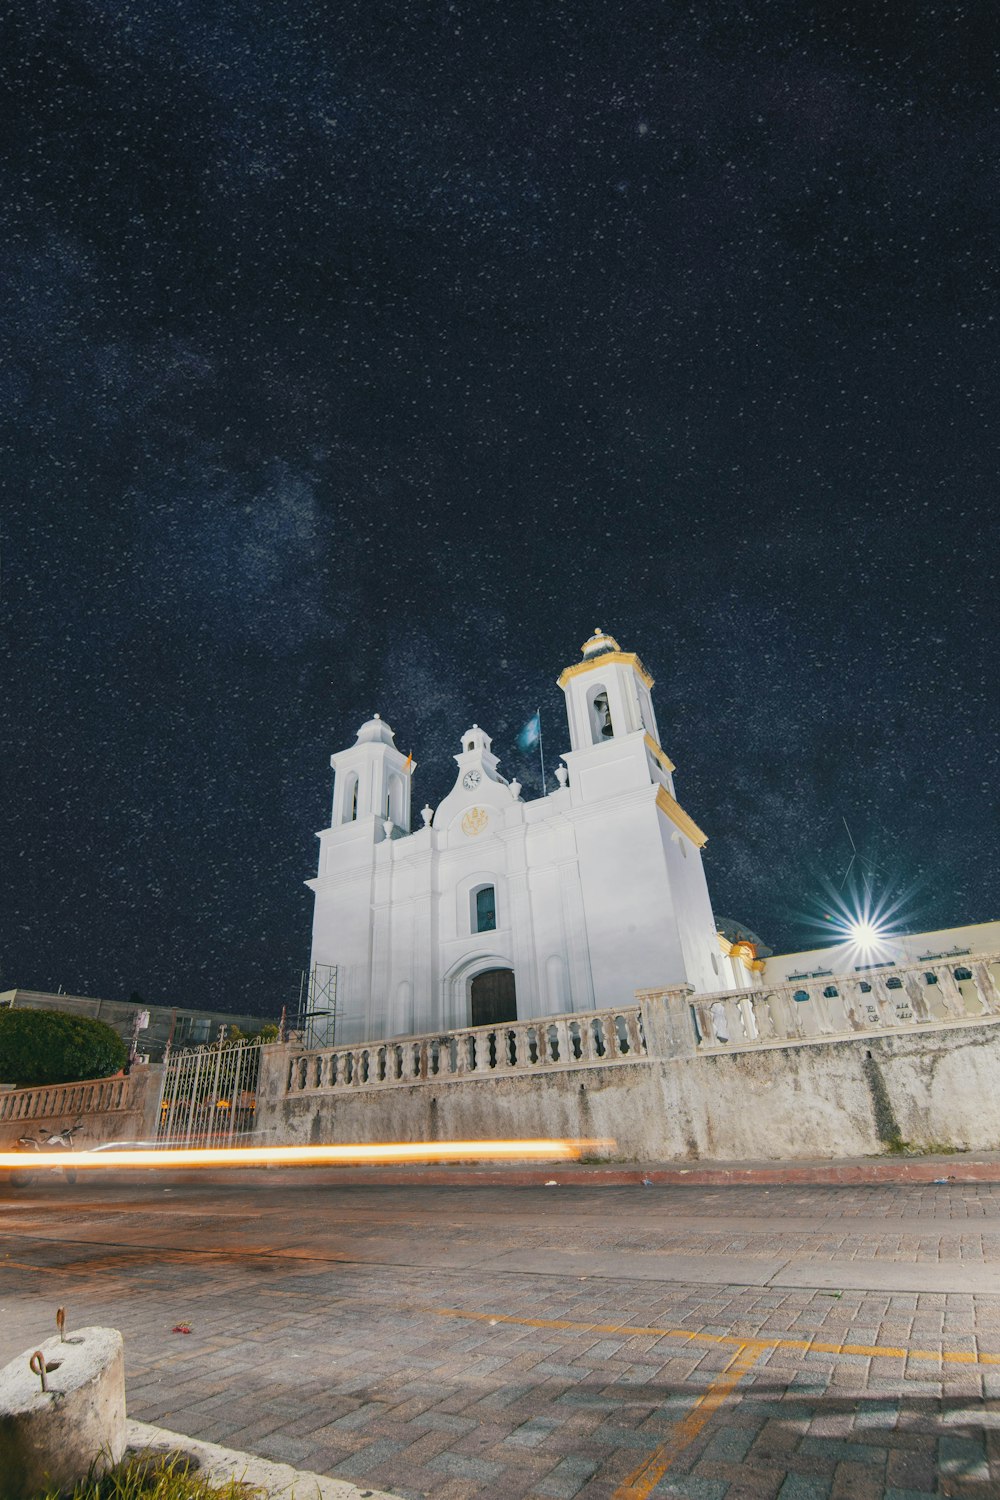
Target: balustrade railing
[
  {"x": 915, "y": 996},
  {"x": 517, "y": 1048},
  {"x": 55, "y": 1100},
  {"x": 670, "y": 1023}
]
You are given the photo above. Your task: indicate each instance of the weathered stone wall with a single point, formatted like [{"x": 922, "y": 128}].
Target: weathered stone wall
[{"x": 849, "y": 1097}]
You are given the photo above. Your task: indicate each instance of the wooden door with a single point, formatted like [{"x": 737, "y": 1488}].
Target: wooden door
[{"x": 493, "y": 998}]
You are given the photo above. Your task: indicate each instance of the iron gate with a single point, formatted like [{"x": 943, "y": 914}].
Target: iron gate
[{"x": 210, "y": 1095}]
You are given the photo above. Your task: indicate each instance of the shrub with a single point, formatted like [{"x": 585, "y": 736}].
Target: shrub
[
  {"x": 150, "y": 1478},
  {"x": 49, "y": 1046}
]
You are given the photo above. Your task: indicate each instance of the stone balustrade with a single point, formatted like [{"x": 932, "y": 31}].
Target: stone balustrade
[
  {"x": 669, "y": 1023},
  {"x": 513, "y": 1049},
  {"x": 937, "y": 993},
  {"x": 100, "y": 1096}
]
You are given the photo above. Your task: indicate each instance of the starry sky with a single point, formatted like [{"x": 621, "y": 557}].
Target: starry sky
[{"x": 366, "y": 356}]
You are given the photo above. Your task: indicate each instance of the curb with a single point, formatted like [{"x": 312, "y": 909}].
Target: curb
[
  {"x": 217, "y": 1465},
  {"x": 722, "y": 1174}
]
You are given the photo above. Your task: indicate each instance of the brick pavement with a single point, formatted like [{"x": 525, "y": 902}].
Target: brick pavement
[{"x": 362, "y": 1332}]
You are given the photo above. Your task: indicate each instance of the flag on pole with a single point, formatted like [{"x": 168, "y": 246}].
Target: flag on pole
[{"x": 531, "y": 733}]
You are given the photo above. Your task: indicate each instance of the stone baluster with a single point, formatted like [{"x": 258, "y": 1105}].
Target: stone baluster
[
  {"x": 989, "y": 995},
  {"x": 748, "y": 1020},
  {"x": 992, "y": 966},
  {"x": 783, "y": 1009},
  {"x": 609, "y": 1033},
  {"x": 854, "y": 1006},
  {"x": 917, "y": 995},
  {"x": 705, "y": 1022},
  {"x": 931, "y": 992},
  {"x": 809, "y": 1017},
  {"x": 729, "y": 1018},
  {"x": 587, "y": 1053},
  {"x": 511, "y": 1047},
  {"x": 885, "y": 1001},
  {"x": 951, "y": 995},
  {"x": 836, "y": 1009},
  {"x": 767, "y": 1025},
  {"x": 563, "y": 1044}
]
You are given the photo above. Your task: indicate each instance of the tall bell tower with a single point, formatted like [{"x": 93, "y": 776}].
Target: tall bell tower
[
  {"x": 607, "y": 694},
  {"x": 648, "y": 908},
  {"x": 372, "y": 782}
]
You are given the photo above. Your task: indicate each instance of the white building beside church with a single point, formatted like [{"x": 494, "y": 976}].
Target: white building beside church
[{"x": 499, "y": 909}]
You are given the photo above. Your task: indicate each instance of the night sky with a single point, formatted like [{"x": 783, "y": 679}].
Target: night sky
[{"x": 366, "y": 357}]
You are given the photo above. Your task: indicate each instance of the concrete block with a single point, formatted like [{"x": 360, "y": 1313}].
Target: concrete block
[{"x": 54, "y": 1437}]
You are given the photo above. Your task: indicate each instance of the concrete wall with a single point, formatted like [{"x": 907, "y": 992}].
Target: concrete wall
[
  {"x": 832, "y": 1099},
  {"x": 47, "y": 1110}
]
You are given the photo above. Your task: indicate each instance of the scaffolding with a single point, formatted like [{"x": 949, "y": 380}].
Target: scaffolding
[{"x": 317, "y": 1013}]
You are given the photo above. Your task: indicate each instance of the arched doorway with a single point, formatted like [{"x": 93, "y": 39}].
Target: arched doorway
[{"x": 493, "y": 998}]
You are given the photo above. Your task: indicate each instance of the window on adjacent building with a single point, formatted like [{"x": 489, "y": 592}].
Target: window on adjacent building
[
  {"x": 486, "y": 909},
  {"x": 963, "y": 973},
  {"x": 894, "y": 984}
]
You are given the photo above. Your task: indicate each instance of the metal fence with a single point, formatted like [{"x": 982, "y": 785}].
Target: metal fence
[{"x": 209, "y": 1095}]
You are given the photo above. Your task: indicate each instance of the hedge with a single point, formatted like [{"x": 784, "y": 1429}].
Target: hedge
[{"x": 49, "y": 1046}]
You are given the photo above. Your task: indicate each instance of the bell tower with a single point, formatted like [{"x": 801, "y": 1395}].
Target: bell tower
[
  {"x": 372, "y": 781},
  {"x": 644, "y": 890},
  {"x": 607, "y": 694}
]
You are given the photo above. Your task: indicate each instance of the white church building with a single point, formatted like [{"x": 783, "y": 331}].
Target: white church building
[{"x": 498, "y": 908}]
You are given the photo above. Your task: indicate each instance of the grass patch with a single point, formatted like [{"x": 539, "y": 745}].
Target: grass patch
[{"x": 156, "y": 1477}]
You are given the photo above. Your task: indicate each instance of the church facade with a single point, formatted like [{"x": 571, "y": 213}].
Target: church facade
[{"x": 498, "y": 908}]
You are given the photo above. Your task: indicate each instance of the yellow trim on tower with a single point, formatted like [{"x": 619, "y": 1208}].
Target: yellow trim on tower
[
  {"x": 676, "y": 814},
  {"x": 627, "y": 658},
  {"x": 661, "y": 755}
]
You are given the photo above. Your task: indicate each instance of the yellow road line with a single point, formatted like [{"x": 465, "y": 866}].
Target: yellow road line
[
  {"x": 809, "y": 1346},
  {"x": 643, "y": 1480}
]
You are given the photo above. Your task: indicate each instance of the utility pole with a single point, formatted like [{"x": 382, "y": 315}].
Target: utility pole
[{"x": 139, "y": 1023}]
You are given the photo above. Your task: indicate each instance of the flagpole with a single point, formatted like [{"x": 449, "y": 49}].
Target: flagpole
[{"x": 541, "y": 752}]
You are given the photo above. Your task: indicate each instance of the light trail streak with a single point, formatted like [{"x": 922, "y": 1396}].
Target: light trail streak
[{"x": 385, "y": 1153}]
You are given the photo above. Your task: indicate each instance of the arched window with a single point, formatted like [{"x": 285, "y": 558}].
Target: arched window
[
  {"x": 801, "y": 995},
  {"x": 963, "y": 973},
  {"x": 894, "y": 984},
  {"x": 830, "y": 992},
  {"x": 351, "y": 798},
  {"x": 484, "y": 909}
]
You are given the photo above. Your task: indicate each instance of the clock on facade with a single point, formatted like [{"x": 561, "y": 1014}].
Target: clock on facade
[{"x": 471, "y": 780}]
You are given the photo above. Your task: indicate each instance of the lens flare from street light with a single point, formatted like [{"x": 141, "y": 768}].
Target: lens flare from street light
[
  {"x": 863, "y": 922},
  {"x": 865, "y": 933}
]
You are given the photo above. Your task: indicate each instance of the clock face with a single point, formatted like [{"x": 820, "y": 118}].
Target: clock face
[{"x": 471, "y": 780}]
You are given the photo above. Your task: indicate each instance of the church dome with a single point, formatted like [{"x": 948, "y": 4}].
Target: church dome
[{"x": 375, "y": 731}]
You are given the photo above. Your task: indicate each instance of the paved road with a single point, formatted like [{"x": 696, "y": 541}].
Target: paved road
[{"x": 620, "y": 1343}]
